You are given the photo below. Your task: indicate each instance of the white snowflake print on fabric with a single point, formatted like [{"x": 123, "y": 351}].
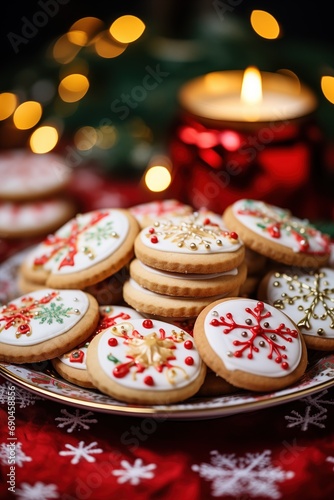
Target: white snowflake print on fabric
[
  {"x": 250, "y": 476},
  {"x": 76, "y": 420},
  {"x": 134, "y": 473},
  {"x": 315, "y": 413},
  {"x": 37, "y": 491},
  {"x": 23, "y": 398},
  {"x": 6, "y": 453},
  {"x": 81, "y": 451}
]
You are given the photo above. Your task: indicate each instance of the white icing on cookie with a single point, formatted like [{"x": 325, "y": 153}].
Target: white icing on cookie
[
  {"x": 188, "y": 276},
  {"x": 307, "y": 298},
  {"x": 190, "y": 234},
  {"x": 42, "y": 315},
  {"x": 149, "y": 355},
  {"x": 160, "y": 208},
  {"x": 82, "y": 242},
  {"x": 253, "y": 337},
  {"x": 110, "y": 315},
  {"x": 277, "y": 224},
  {"x": 23, "y": 171}
]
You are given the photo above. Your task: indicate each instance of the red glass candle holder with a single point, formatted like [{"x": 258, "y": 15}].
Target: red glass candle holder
[{"x": 217, "y": 161}]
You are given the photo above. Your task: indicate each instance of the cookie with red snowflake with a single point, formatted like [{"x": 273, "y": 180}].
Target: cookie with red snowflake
[
  {"x": 307, "y": 297},
  {"x": 250, "y": 344},
  {"x": 275, "y": 233},
  {"x": 145, "y": 361},
  {"x": 86, "y": 250},
  {"x": 45, "y": 324},
  {"x": 72, "y": 364}
]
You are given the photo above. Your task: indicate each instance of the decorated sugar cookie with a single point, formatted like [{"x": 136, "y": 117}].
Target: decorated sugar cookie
[
  {"x": 148, "y": 213},
  {"x": 275, "y": 233},
  {"x": 250, "y": 344},
  {"x": 145, "y": 362},
  {"x": 189, "y": 244},
  {"x": 307, "y": 297},
  {"x": 28, "y": 176},
  {"x": 87, "y": 249},
  {"x": 34, "y": 218},
  {"x": 72, "y": 365},
  {"x": 45, "y": 324}
]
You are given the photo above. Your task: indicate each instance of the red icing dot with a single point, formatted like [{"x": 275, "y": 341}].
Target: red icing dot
[
  {"x": 285, "y": 365},
  {"x": 206, "y": 221},
  {"x": 154, "y": 239},
  {"x": 148, "y": 323},
  {"x": 149, "y": 380},
  {"x": 188, "y": 344},
  {"x": 234, "y": 235},
  {"x": 151, "y": 230},
  {"x": 113, "y": 342},
  {"x": 189, "y": 360}
]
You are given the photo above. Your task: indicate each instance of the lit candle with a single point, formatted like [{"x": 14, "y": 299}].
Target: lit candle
[{"x": 248, "y": 96}]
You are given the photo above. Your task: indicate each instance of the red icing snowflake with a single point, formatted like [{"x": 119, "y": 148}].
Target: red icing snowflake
[{"x": 254, "y": 328}]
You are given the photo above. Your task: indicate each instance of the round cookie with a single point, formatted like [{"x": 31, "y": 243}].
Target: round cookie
[
  {"x": 189, "y": 244},
  {"x": 45, "y": 324},
  {"x": 165, "y": 306},
  {"x": 147, "y": 213},
  {"x": 214, "y": 386},
  {"x": 86, "y": 250},
  {"x": 28, "y": 176},
  {"x": 187, "y": 284},
  {"x": 250, "y": 344},
  {"x": 145, "y": 362},
  {"x": 275, "y": 233},
  {"x": 72, "y": 365},
  {"x": 34, "y": 218},
  {"x": 307, "y": 297}
]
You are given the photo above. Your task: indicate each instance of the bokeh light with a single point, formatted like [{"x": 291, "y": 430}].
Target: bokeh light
[
  {"x": 264, "y": 24},
  {"x": 107, "y": 47},
  {"x": 84, "y": 31},
  {"x": 157, "y": 178},
  {"x": 64, "y": 51},
  {"x": 43, "y": 139},
  {"x": 73, "y": 87},
  {"x": 27, "y": 115},
  {"x": 8, "y": 103},
  {"x": 327, "y": 87},
  {"x": 127, "y": 29}
]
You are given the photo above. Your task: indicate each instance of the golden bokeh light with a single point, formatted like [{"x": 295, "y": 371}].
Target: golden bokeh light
[
  {"x": 85, "y": 138},
  {"x": 264, "y": 24},
  {"x": 327, "y": 87},
  {"x": 84, "y": 31},
  {"x": 127, "y": 29},
  {"x": 27, "y": 115},
  {"x": 43, "y": 139},
  {"x": 8, "y": 103},
  {"x": 73, "y": 87},
  {"x": 107, "y": 136},
  {"x": 106, "y": 47},
  {"x": 157, "y": 178},
  {"x": 64, "y": 51}
]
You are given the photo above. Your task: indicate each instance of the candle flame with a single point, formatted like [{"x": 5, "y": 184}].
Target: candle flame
[{"x": 251, "y": 89}]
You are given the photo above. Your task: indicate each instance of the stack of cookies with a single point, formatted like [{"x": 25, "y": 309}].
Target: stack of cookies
[
  {"x": 32, "y": 202},
  {"x": 182, "y": 264}
]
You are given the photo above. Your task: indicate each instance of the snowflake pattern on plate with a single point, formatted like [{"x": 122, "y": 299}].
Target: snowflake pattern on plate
[{"x": 251, "y": 475}]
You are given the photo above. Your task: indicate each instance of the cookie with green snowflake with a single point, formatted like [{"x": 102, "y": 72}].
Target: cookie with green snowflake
[
  {"x": 275, "y": 233},
  {"x": 45, "y": 324},
  {"x": 87, "y": 249},
  {"x": 308, "y": 298},
  {"x": 250, "y": 344}
]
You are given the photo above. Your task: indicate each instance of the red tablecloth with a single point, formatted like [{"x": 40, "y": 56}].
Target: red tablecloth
[{"x": 282, "y": 452}]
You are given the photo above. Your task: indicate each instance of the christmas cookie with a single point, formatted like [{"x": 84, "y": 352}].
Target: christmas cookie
[
  {"x": 86, "y": 250},
  {"x": 275, "y": 233},
  {"x": 165, "y": 306},
  {"x": 148, "y": 213},
  {"x": 189, "y": 244},
  {"x": 307, "y": 297},
  {"x": 72, "y": 365},
  {"x": 250, "y": 344},
  {"x": 45, "y": 324},
  {"x": 28, "y": 176},
  {"x": 187, "y": 284},
  {"x": 145, "y": 362},
  {"x": 35, "y": 218}
]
